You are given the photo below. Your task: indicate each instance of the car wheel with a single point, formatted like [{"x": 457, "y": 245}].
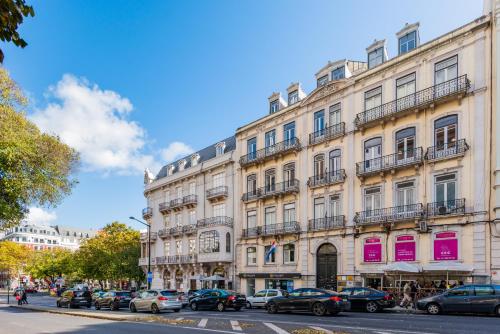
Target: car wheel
[
  {"x": 194, "y": 306},
  {"x": 318, "y": 309},
  {"x": 248, "y": 305},
  {"x": 272, "y": 308},
  {"x": 58, "y": 304},
  {"x": 97, "y": 306},
  {"x": 371, "y": 307},
  {"x": 220, "y": 307},
  {"x": 155, "y": 309},
  {"x": 113, "y": 307},
  {"x": 69, "y": 305},
  {"x": 497, "y": 311},
  {"x": 133, "y": 309},
  {"x": 433, "y": 309}
]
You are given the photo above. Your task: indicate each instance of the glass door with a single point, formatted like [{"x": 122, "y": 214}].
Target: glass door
[
  {"x": 405, "y": 145},
  {"x": 405, "y": 92},
  {"x": 373, "y": 154}
]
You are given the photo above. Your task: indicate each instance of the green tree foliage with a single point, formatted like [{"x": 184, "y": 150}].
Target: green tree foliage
[
  {"x": 51, "y": 263},
  {"x": 12, "y": 14},
  {"x": 35, "y": 168},
  {"x": 13, "y": 257}
]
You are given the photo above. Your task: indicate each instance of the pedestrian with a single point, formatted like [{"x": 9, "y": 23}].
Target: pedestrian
[
  {"x": 460, "y": 283},
  {"x": 407, "y": 295},
  {"x": 24, "y": 298},
  {"x": 414, "y": 290},
  {"x": 17, "y": 294}
]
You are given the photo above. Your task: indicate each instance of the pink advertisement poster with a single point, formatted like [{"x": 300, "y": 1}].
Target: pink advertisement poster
[
  {"x": 372, "y": 250},
  {"x": 445, "y": 249},
  {"x": 405, "y": 251}
]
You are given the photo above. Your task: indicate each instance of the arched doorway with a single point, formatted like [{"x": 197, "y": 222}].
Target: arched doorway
[
  {"x": 166, "y": 279},
  {"x": 326, "y": 267}
]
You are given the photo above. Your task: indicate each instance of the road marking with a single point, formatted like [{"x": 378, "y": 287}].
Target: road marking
[
  {"x": 236, "y": 326},
  {"x": 203, "y": 323},
  {"x": 179, "y": 319},
  {"x": 276, "y": 328},
  {"x": 321, "y": 329}
]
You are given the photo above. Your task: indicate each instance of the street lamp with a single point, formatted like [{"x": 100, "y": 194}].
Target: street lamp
[{"x": 149, "y": 247}]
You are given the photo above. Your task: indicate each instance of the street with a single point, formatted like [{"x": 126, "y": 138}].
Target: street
[{"x": 245, "y": 321}]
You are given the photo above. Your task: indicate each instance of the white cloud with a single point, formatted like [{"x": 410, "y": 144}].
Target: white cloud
[
  {"x": 175, "y": 151},
  {"x": 40, "y": 216},
  {"x": 94, "y": 122}
]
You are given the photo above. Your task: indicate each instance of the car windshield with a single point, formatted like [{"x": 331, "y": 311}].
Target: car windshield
[
  {"x": 169, "y": 293},
  {"x": 123, "y": 294},
  {"x": 80, "y": 293}
]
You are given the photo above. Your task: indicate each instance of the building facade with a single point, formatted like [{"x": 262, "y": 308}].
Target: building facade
[
  {"x": 382, "y": 171},
  {"x": 190, "y": 210}
]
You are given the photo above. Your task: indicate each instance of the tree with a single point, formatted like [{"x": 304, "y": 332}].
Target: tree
[
  {"x": 13, "y": 257},
  {"x": 35, "y": 167},
  {"x": 12, "y": 14},
  {"x": 50, "y": 264},
  {"x": 113, "y": 254}
]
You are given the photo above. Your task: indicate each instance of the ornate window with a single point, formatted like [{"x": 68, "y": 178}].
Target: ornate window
[{"x": 209, "y": 242}]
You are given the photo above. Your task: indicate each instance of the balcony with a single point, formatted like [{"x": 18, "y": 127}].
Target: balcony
[
  {"x": 326, "y": 223},
  {"x": 391, "y": 162},
  {"x": 273, "y": 151},
  {"x": 189, "y": 228},
  {"x": 215, "y": 221},
  {"x": 250, "y": 196},
  {"x": 327, "y": 134},
  {"x": 176, "y": 204},
  {"x": 279, "y": 189},
  {"x": 326, "y": 179},
  {"x": 447, "y": 151},
  {"x": 176, "y": 259},
  {"x": 147, "y": 213},
  {"x": 165, "y": 207},
  {"x": 251, "y": 232},
  {"x": 389, "y": 215},
  {"x": 145, "y": 236},
  {"x": 190, "y": 201},
  {"x": 280, "y": 229},
  {"x": 217, "y": 193},
  {"x": 143, "y": 261},
  {"x": 454, "y": 207},
  {"x": 428, "y": 97}
]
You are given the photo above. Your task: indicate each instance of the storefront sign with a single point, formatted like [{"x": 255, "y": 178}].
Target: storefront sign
[
  {"x": 372, "y": 251},
  {"x": 446, "y": 246},
  {"x": 405, "y": 248},
  {"x": 270, "y": 275}
]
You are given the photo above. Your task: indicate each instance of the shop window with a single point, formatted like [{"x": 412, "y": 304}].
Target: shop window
[
  {"x": 445, "y": 246},
  {"x": 405, "y": 248},
  {"x": 372, "y": 250}
]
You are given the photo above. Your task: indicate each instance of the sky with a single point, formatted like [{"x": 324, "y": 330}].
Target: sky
[{"x": 137, "y": 84}]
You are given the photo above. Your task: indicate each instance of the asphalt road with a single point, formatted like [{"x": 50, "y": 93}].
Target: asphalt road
[{"x": 255, "y": 322}]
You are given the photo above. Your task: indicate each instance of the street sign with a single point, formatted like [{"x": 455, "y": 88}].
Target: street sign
[{"x": 150, "y": 277}]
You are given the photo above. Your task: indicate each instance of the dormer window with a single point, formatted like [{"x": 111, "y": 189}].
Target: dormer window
[
  {"x": 338, "y": 73},
  {"x": 219, "y": 148},
  {"x": 194, "y": 159},
  {"x": 376, "y": 57},
  {"x": 182, "y": 164},
  {"x": 293, "y": 97},
  {"x": 323, "y": 80},
  {"x": 408, "y": 42},
  {"x": 274, "y": 106},
  {"x": 170, "y": 170}
]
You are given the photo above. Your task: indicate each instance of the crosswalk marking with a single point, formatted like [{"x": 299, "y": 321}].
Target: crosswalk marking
[
  {"x": 203, "y": 323},
  {"x": 321, "y": 329},
  {"x": 236, "y": 326},
  {"x": 276, "y": 328}
]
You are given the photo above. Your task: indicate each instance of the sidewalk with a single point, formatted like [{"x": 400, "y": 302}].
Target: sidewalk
[{"x": 81, "y": 313}]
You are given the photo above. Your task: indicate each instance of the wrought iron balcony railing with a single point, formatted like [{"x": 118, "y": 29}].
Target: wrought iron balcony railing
[
  {"x": 145, "y": 236},
  {"x": 278, "y": 229},
  {"x": 446, "y": 208},
  {"x": 165, "y": 207},
  {"x": 251, "y": 196},
  {"x": 390, "y": 162},
  {"x": 329, "y": 133},
  {"x": 217, "y": 192},
  {"x": 147, "y": 213},
  {"x": 189, "y": 228},
  {"x": 269, "y": 152},
  {"x": 143, "y": 261},
  {"x": 387, "y": 215},
  {"x": 278, "y": 189},
  {"x": 417, "y": 100},
  {"x": 176, "y": 203},
  {"x": 327, "y": 178},
  {"x": 250, "y": 232},
  {"x": 176, "y": 259},
  {"x": 326, "y": 223},
  {"x": 190, "y": 200},
  {"x": 215, "y": 221},
  {"x": 447, "y": 151}
]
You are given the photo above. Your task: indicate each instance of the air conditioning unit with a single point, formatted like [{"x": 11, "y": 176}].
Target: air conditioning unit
[
  {"x": 422, "y": 226},
  {"x": 442, "y": 210}
]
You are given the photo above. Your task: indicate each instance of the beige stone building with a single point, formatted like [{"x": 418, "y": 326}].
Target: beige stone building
[
  {"x": 382, "y": 173},
  {"x": 190, "y": 208}
]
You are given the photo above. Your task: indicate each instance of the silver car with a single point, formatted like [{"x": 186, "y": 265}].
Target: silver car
[
  {"x": 156, "y": 301},
  {"x": 260, "y": 298}
]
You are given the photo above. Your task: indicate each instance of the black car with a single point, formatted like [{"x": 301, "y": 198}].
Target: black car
[
  {"x": 367, "y": 299},
  {"x": 196, "y": 293},
  {"x": 218, "y": 299},
  {"x": 113, "y": 300},
  {"x": 317, "y": 301},
  {"x": 75, "y": 298},
  {"x": 464, "y": 299}
]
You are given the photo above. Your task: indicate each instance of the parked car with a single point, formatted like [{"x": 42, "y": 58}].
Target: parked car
[
  {"x": 317, "y": 301},
  {"x": 74, "y": 298},
  {"x": 367, "y": 299},
  {"x": 218, "y": 299},
  {"x": 464, "y": 299},
  {"x": 260, "y": 298},
  {"x": 97, "y": 294},
  {"x": 156, "y": 301},
  {"x": 113, "y": 300},
  {"x": 184, "y": 299},
  {"x": 196, "y": 293}
]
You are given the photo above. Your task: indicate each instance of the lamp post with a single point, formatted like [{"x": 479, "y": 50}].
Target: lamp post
[{"x": 149, "y": 247}]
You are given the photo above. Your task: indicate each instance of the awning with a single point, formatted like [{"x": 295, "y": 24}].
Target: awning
[
  {"x": 448, "y": 267},
  {"x": 214, "y": 278},
  {"x": 401, "y": 267}
]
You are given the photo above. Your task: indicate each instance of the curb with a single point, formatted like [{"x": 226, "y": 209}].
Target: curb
[{"x": 103, "y": 316}]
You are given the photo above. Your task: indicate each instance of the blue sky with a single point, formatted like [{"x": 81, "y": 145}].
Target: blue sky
[{"x": 133, "y": 84}]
